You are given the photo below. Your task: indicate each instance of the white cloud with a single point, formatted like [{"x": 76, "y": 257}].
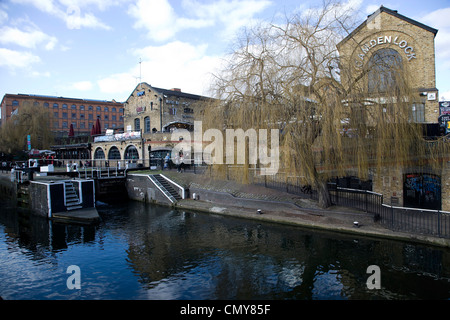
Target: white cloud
[
  {"x": 435, "y": 19},
  {"x": 371, "y": 8},
  {"x": 82, "y": 85},
  {"x": 73, "y": 12},
  {"x": 232, "y": 14},
  {"x": 3, "y": 17},
  {"x": 27, "y": 39},
  {"x": 164, "y": 67},
  {"x": 36, "y": 74},
  {"x": 444, "y": 96},
  {"x": 161, "y": 21},
  {"x": 17, "y": 59},
  {"x": 120, "y": 84},
  {"x": 442, "y": 41}
]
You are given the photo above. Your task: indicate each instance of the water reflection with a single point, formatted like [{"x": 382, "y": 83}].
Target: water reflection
[{"x": 140, "y": 251}]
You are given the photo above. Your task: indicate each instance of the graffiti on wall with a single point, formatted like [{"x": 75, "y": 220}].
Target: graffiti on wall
[{"x": 422, "y": 191}]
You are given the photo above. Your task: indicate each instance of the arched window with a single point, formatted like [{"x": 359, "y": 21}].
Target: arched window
[
  {"x": 385, "y": 70},
  {"x": 15, "y": 103},
  {"x": 99, "y": 154},
  {"x": 137, "y": 124},
  {"x": 147, "y": 124},
  {"x": 131, "y": 153},
  {"x": 113, "y": 153}
]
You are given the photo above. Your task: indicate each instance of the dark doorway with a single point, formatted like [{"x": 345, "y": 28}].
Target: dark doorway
[{"x": 422, "y": 190}]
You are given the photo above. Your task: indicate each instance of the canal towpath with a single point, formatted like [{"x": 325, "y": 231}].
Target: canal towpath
[{"x": 244, "y": 201}]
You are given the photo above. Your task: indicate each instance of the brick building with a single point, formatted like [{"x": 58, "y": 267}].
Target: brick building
[
  {"x": 386, "y": 33},
  {"x": 411, "y": 44},
  {"x": 151, "y": 115},
  {"x": 81, "y": 113}
]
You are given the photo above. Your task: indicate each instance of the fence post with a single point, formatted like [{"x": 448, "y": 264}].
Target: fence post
[
  {"x": 392, "y": 217},
  {"x": 439, "y": 223},
  {"x": 365, "y": 195}
]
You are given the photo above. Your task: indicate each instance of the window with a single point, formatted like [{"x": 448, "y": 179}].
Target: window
[
  {"x": 82, "y": 116},
  {"x": 55, "y": 106},
  {"x": 64, "y": 106},
  {"x": 82, "y": 125},
  {"x": 74, "y": 107},
  {"x": 113, "y": 109},
  {"x": 98, "y": 108},
  {"x": 36, "y": 104},
  {"x": 15, "y": 103},
  {"x": 64, "y": 125},
  {"x": 113, "y": 153},
  {"x": 131, "y": 152},
  {"x": 113, "y": 118},
  {"x": 82, "y": 107},
  {"x": 106, "y": 109},
  {"x": 46, "y": 104},
  {"x": 106, "y": 117},
  {"x": 385, "y": 67},
  {"x": 74, "y": 115},
  {"x": 56, "y": 115},
  {"x": 173, "y": 111},
  {"x": 418, "y": 112},
  {"x": 147, "y": 124},
  {"x": 121, "y": 110},
  {"x": 99, "y": 154},
  {"x": 91, "y": 116},
  {"x": 137, "y": 124},
  {"x": 74, "y": 125},
  {"x": 64, "y": 115},
  {"x": 90, "y": 108}
]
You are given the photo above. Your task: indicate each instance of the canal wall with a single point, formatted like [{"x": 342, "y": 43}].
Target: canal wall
[
  {"x": 335, "y": 219},
  {"x": 50, "y": 197},
  {"x": 140, "y": 187}
]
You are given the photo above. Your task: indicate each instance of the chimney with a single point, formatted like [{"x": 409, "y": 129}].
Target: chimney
[{"x": 176, "y": 89}]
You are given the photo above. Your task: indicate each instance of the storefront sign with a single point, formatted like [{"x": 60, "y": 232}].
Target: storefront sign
[
  {"x": 444, "y": 107},
  {"x": 386, "y": 39},
  {"x": 444, "y": 122}
]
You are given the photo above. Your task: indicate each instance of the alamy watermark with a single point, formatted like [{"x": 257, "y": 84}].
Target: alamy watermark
[
  {"x": 73, "y": 17},
  {"x": 191, "y": 146},
  {"x": 74, "y": 280},
  {"x": 374, "y": 280}
]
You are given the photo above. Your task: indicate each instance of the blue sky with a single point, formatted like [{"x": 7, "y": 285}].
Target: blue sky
[{"x": 92, "y": 48}]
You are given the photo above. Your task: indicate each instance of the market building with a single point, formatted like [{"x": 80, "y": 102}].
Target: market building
[
  {"x": 150, "y": 117},
  {"x": 410, "y": 44}
]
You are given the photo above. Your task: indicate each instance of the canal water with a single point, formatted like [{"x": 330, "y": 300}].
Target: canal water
[{"x": 142, "y": 251}]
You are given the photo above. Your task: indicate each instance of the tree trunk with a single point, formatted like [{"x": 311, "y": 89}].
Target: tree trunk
[{"x": 324, "y": 195}]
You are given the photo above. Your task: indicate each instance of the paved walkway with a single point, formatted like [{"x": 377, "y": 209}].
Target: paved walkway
[{"x": 281, "y": 207}]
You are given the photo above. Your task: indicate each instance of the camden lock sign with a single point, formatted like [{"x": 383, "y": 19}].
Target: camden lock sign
[{"x": 386, "y": 39}]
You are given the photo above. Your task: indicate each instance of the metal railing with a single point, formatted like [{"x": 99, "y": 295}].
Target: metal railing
[{"x": 421, "y": 221}]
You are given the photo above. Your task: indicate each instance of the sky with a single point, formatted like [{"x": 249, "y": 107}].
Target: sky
[{"x": 101, "y": 49}]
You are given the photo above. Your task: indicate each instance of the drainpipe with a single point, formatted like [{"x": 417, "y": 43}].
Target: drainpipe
[{"x": 160, "y": 114}]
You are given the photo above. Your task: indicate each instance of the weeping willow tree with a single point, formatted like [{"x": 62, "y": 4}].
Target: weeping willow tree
[
  {"x": 333, "y": 120},
  {"x": 30, "y": 120}
]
